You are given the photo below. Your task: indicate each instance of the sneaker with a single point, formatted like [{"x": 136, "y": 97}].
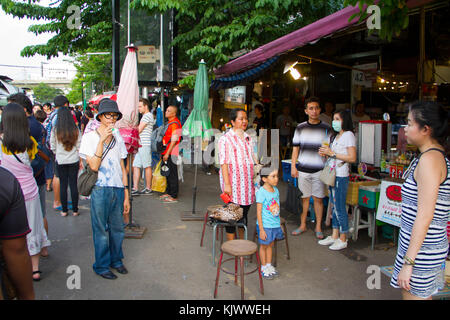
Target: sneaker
[
  {"x": 272, "y": 271},
  {"x": 338, "y": 245},
  {"x": 146, "y": 191},
  {"x": 135, "y": 192},
  {"x": 327, "y": 241},
  {"x": 266, "y": 275}
]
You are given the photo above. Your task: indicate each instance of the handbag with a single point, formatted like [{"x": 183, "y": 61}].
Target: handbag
[
  {"x": 230, "y": 212},
  {"x": 328, "y": 174},
  {"x": 293, "y": 201},
  {"x": 165, "y": 170},
  {"x": 88, "y": 178}
]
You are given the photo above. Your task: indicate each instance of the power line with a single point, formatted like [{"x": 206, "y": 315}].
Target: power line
[{"x": 35, "y": 67}]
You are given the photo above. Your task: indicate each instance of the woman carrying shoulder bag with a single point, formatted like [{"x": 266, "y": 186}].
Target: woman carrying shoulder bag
[{"x": 343, "y": 150}]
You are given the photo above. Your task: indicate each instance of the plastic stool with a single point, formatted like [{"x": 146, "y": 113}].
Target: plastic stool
[{"x": 239, "y": 249}]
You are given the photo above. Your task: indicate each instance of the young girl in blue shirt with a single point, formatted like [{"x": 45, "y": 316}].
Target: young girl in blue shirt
[{"x": 268, "y": 219}]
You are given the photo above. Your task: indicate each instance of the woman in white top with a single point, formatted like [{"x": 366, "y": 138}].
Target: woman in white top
[
  {"x": 65, "y": 142},
  {"x": 343, "y": 151}
]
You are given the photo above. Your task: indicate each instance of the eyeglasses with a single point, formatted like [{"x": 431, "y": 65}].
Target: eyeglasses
[{"x": 114, "y": 116}]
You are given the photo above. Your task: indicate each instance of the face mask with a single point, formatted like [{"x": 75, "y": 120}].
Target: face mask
[{"x": 337, "y": 126}]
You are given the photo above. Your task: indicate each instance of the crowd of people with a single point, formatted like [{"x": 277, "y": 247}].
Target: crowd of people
[
  {"x": 44, "y": 149},
  {"x": 330, "y": 136}
]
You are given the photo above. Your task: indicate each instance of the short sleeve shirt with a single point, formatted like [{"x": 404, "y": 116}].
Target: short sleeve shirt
[
  {"x": 340, "y": 145},
  {"x": 110, "y": 171},
  {"x": 146, "y": 134},
  {"x": 173, "y": 129},
  {"x": 309, "y": 138},
  {"x": 13, "y": 213},
  {"x": 270, "y": 212}
]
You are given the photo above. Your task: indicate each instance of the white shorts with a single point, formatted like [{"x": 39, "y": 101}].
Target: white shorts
[
  {"x": 310, "y": 185},
  {"x": 143, "y": 158}
]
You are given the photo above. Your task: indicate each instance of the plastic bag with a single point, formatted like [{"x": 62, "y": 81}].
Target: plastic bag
[{"x": 159, "y": 183}]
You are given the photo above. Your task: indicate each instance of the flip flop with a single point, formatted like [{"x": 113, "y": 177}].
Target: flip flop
[
  {"x": 319, "y": 235},
  {"x": 298, "y": 232},
  {"x": 39, "y": 273}
]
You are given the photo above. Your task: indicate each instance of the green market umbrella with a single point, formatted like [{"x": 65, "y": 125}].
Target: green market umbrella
[{"x": 198, "y": 124}]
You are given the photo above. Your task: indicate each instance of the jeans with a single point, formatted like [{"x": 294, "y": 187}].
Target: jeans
[
  {"x": 338, "y": 195},
  {"x": 68, "y": 177},
  {"x": 107, "y": 227}
]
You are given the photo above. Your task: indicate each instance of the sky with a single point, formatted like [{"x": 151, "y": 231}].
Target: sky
[{"x": 14, "y": 36}]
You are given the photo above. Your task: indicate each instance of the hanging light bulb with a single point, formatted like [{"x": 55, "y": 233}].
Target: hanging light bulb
[{"x": 295, "y": 74}]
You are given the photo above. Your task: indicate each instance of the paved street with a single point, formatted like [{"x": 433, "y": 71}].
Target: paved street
[{"x": 169, "y": 264}]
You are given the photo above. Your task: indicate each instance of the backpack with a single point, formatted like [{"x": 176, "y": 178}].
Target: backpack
[{"x": 157, "y": 137}]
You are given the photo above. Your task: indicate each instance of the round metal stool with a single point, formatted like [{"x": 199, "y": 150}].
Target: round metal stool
[{"x": 239, "y": 249}]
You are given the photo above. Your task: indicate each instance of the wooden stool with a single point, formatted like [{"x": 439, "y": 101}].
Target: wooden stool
[
  {"x": 284, "y": 228},
  {"x": 221, "y": 224},
  {"x": 239, "y": 249}
]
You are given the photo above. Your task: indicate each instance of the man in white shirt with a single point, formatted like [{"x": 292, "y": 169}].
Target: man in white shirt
[
  {"x": 143, "y": 158},
  {"x": 104, "y": 152},
  {"x": 359, "y": 115}
]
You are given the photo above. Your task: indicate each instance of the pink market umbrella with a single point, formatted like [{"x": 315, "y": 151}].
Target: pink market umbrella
[{"x": 128, "y": 101}]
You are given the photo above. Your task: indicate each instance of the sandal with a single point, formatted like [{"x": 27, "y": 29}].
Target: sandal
[
  {"x": 63, "y": 214},
  {"x": 164, "y": 196},
  {"x": 75, "y": 214},
  {"x": 38, "y": 273},
  {"x": 319, "y": 235},
  {"x": 298, "y": 232},
  {"x": 169, "y": 199}
]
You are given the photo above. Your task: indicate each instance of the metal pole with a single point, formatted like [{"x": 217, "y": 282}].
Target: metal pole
[
  {"x": 422, "y": 51},
  {"x": 128, "y": 22}
]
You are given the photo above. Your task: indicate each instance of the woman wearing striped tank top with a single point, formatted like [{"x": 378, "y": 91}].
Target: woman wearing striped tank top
[{"x": 423, "y": 244}]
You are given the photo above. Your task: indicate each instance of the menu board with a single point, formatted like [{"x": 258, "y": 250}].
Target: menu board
[{"x": 390, "y": 205}]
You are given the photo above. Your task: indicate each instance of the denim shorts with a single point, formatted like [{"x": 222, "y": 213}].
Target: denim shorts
[
  {"x": 143, "y": 158},
  {"x": 272, "y": 235}
]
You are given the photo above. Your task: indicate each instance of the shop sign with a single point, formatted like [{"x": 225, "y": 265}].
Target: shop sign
[
  {"x": 235, "y": 97},
  {"x": 361, "y": 78},
  {"x": 390, "y": 205},
  {"x": 147, "y": 54}
]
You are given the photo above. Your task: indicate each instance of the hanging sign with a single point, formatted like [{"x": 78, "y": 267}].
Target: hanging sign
[
  {"x": 146, "y": 54},
  {"x": 390, "y": 205},
  {"x": 361, "y": 78}
]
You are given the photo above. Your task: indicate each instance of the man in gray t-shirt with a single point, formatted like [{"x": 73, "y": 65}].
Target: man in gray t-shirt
[{"x": 307, "y": 163}]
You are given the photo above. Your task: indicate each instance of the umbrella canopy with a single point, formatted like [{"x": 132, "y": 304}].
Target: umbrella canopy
[
  {"x": 198, "y": 123},
  {"x": 97, "y": 99},
  {"x": 128, "y": 101}
]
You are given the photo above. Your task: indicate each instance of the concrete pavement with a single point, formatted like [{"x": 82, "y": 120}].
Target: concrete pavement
[{"x": 169, "y": 264}]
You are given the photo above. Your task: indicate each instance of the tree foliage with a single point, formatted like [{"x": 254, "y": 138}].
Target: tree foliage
[
  {"x": 214, "y": 29},
  {"x": 94, "y": 31},
  {"x": 394, "y": 16},
  {"x": 93, "y": 72},
  {"x": 44, "y": 93}
]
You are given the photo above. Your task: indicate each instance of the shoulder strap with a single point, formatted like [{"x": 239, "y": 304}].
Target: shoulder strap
[
  {"x": 435, "y": 149},
  {"x": 1, "y": 140}
]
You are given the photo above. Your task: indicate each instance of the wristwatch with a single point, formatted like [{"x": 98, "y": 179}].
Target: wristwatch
[{"x": 333, "y": 156}]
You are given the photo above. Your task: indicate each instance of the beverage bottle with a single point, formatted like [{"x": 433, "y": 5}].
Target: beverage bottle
[{"x": 383, "y": 162}]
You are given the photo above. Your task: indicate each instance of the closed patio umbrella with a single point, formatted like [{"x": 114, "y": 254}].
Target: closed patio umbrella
[
  {"x": 198, "y": 124},
  {"x": 128, "y": 101}
]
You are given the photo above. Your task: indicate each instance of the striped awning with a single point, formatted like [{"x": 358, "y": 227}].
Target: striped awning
[{"x": 240, "y": 78}]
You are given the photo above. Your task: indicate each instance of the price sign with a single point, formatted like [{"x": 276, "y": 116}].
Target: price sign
[
  {"x": 390, "y": 205},
  {"x": 364, "y": 78}
]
